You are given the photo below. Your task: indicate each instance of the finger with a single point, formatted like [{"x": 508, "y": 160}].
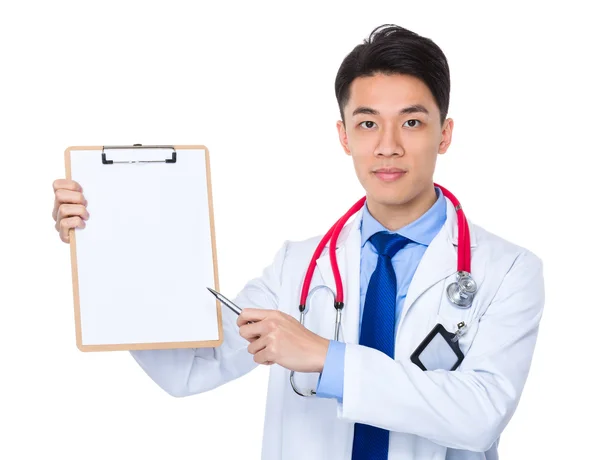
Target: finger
[
  {"x": 264, "y": 357},
  {"x": 251, "y": 315},
  {"x": 71, "y": 210},
  {"x": 254, "y": 315},
  {"x": 67, "y": 224},
  {"x": 67, "y": 184},
  {"x": 66, "y": 196},
  {"x": 252, "y": 330},
  {"x": 258, "y": 345}
]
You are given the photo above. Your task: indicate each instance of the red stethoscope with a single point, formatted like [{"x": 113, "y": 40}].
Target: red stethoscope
[{"x": 460, "y": 293}]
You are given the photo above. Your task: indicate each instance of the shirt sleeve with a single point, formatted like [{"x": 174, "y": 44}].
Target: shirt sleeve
[{"x": 331, "y": 380}]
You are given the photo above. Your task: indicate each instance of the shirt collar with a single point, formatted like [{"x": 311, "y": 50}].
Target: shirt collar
[{"x": 421, "y": 231}]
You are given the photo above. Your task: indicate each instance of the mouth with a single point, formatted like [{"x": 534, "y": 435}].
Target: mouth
[{"x": 389, "y": 174}]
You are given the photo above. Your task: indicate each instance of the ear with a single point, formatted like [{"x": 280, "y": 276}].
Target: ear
[
  {"x": 446, "y": 136},
  {"x": 343, "y": 136}
]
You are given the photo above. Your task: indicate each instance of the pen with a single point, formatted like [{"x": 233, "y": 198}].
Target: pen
[{"x": 225, "y": 301}]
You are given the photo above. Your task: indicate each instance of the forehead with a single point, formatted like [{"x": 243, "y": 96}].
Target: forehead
[{"x": 393, "y": 91}]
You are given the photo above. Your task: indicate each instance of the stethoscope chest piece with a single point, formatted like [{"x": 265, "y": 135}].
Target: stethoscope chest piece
[{"x": 462, "y": 291}]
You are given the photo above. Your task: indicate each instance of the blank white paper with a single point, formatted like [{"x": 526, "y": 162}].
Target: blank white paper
[{"x": 145, "y": 256}]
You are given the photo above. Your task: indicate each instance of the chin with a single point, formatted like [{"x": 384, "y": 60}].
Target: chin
[
  {"x": 388, "y": 198},
  {"x": 392, "y": 196}
]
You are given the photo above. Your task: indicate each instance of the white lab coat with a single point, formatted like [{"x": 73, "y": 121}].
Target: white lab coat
[{"x": 430, "y": 415}]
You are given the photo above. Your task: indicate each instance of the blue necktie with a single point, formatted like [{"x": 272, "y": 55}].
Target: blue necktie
[{"x": 377, "y": 331}]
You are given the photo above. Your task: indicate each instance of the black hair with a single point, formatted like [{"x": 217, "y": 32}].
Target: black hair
[{"x": 391, "y": 49}]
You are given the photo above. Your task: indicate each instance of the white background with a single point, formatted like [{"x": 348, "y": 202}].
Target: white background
[{"x": 254, "y": 82}]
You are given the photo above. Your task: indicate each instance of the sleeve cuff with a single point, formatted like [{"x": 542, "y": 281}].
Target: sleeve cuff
[{"x": 331, "y": 380}]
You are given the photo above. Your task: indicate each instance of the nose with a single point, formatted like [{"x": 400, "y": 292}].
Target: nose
[{"x": 389, "y": 144}]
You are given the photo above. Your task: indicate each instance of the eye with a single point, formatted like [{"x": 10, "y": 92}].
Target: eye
[
  {"x": 412, "y": 124},
  {"x": 368, "y": 121}
]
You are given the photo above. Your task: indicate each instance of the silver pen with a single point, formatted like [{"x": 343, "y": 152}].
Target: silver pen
[{"x": 225, "y": 301}]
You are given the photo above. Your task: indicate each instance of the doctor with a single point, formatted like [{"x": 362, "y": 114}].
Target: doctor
[{"x": 397, "y": 257}]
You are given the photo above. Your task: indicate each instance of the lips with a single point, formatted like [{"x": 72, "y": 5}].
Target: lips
[{"x": 389, "y": 174}]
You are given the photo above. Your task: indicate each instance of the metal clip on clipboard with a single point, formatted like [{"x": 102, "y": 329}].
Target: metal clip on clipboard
[{"x": 105, "y": 161}]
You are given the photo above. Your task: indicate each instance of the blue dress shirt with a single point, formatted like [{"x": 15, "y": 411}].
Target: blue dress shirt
[{"x": 405, "y": 262}]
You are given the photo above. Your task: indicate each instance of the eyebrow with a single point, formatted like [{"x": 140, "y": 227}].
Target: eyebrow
[{"x": 415, "y": 108}]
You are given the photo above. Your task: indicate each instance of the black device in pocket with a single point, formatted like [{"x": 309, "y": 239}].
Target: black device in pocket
[{"x": 439, "y": 350}]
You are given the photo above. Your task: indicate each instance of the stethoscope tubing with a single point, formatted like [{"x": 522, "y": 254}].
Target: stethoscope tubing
[
  {"x": 464, "y": 248},
  {"x": 463, "y": 268}
]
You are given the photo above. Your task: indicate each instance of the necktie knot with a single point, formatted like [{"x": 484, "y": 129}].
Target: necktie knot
[{"x": 388, "y": 244}]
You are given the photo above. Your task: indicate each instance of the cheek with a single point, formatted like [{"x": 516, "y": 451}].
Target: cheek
[
  {"x": 362, "y": 162},
  {"x": 425, "y": 163},
  {"x": 361, "y": 142},
  {"x": 362, "y": 165}
]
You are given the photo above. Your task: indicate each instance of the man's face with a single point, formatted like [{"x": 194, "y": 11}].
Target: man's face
[{"x": 377, "y": 135}]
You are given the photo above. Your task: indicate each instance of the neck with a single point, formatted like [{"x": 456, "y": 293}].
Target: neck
[{"x": 395, "y": 216}]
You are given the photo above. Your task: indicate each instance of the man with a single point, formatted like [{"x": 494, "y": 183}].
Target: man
[{"x": 372, "y": 402}]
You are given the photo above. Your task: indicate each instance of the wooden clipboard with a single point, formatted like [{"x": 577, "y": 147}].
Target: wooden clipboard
[{"x": 100, "y": 335}]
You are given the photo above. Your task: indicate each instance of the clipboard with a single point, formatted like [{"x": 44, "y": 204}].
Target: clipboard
[{"x": 141, "y": 265}]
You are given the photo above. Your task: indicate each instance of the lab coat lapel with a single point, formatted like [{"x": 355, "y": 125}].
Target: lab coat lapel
[{"x": 439, "y": 260}]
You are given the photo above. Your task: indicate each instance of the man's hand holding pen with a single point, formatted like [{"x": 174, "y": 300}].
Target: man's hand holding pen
[{"x": 276, "y": 337}]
